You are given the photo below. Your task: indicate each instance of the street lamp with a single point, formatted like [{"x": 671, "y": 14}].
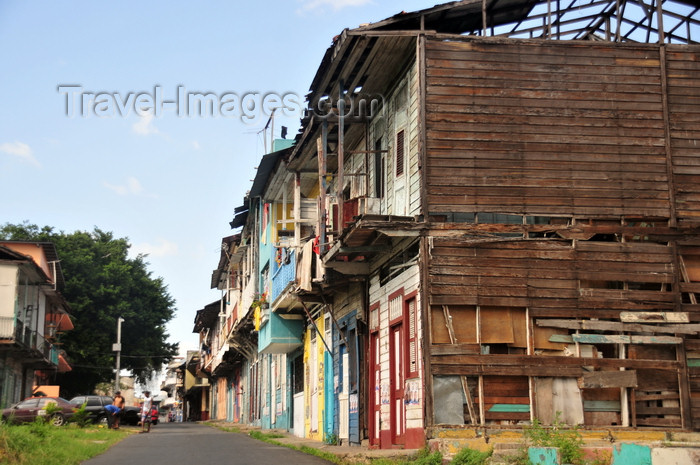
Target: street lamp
[{"x": 118, "y": 349}]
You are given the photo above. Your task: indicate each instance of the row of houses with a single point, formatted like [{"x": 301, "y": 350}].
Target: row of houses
[
  {"x": 491, "y": 214},
  {"x": 33, "y": 315}
]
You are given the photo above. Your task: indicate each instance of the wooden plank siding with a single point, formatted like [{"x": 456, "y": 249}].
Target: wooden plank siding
[
  {"x": 535, "y": 128},
  {"x": 683, "y": 69},
  {"x": 547, "y": 274},
  {"x": 608, "y": 137}
]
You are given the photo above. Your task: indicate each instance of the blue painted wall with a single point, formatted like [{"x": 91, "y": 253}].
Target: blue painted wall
[{"x": 347, "y": 323}]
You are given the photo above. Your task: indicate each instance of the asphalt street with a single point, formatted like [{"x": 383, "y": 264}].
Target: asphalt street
[{"x": 192, "y": 443}]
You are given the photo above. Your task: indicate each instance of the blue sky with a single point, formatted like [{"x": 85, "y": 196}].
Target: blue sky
[{"x": 167, "y": 182}]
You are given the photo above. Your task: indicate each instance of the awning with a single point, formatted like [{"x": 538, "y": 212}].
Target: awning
[{"x": 63, "y": 366}]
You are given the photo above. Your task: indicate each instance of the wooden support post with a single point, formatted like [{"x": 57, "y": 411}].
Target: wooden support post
[
  {"x": 667, "y": 138},
  {"x": 321, "y": 148},
  {"x": 426, "y": 320},
  {"x": 465, "y": 385},
  {"x": 624, "y": 401},
  {"x": 686, "y": 278},
  {"x": 532, "y": 387},
  {"x": 660, "y": 21},
  {"x": 684, "y": 390},
  {"x": 340, "y": 179},
  {"x": 297, "y": 209}
]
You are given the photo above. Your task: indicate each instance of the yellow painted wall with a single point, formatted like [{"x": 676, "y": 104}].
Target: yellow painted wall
[{"x": 317, "y": 383}]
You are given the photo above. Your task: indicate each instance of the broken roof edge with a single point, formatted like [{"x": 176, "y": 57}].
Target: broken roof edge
[
  {"x": 267, "y": 165},
  {"x": 403, "y": 16}
]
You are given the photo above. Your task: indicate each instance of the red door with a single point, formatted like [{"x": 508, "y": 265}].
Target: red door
[
  {"x": 375, "y": 394},
  {"x": 396, "y": 385}
]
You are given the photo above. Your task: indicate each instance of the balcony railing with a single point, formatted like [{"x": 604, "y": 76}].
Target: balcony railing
[
  {"x": 285, "y": 274},
  {"x": 23, "y": 335}
]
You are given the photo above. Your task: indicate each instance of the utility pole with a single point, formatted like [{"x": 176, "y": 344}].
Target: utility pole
[{"x": 118, "y": 349}]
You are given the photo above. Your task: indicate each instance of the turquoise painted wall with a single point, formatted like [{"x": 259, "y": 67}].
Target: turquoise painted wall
[
  {"x": 330, "y": 396},
  {"x": 280, "y": 144},
  {"x": 267, "y": 408},
  {"x": 280, "y": 331},
  {"x": 631, "y": 454},
  {"x": 544, "y": 456}
]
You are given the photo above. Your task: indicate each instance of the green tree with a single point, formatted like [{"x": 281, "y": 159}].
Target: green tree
[{"x": 103, "y": 283}]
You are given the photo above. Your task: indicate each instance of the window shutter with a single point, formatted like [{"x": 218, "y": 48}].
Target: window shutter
[
  {"x": 395, "y": 307},
  {"x": 399, "y": 152},
  {"x": 412, "y": 338},
  {"x": 374, "y": 318}
]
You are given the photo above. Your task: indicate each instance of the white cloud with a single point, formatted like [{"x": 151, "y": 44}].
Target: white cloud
[
  {"x": 310, "y": 5},
  {"x": 162, "y": 248},
  {"x": 132, "y": 187},
  {"x": 20, "y": 150},
  {"x": 195, "y": 145},
  {"x": 144, "y": 126}
]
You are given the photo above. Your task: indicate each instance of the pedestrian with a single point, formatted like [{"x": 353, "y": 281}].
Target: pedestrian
[
  {"x": 119, "y": 402},
  {"x": 146, "y": 412},
  {"x": 112, "y": 412}
]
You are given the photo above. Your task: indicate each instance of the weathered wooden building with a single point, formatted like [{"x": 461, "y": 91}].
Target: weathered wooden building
[
  {"x": 535, "y": 168},
  {"x": 491, "y": 214}
]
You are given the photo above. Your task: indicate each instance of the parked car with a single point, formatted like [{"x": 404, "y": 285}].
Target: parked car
[
  {"x": 94, "y": 406},
  {"x": 31, "y": 408},
  {"x": 131, "y": 415}
]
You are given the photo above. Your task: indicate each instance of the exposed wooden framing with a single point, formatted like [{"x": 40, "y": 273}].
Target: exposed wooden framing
[
  {"x": 624, "y": 398},
  {"x": 615, "y": 339},
  {"x": 530, "y": 350},
  {"x": 684, "y": 387},
  {"x": 319, "y": 334},
  {"x": 684, "y": 275},
  {"x": 340, "y": 179},
  {"x": 482, "y": 408},
  {"x": 422, "y": 150},
  {"x": 654, "y": 317},
  {"x": 428, "y": 410},
  {"x": 349, "y": 268},
  {"x": 297, "y": 209},
  {"x": 608, "y": 379},
  {"x": 366, "y": 152},
  {"x": 601, "y": 325},
  {"x": 660, "y": 19},
  {"x": 463, "y": 379},
  {"x": 504, "y": 370},
  {"x": 495, "y": 360},
  {"x": 667, "y": 130},
  {"x": 321, "y": 147},
  {"x": 406, "y": 33}
]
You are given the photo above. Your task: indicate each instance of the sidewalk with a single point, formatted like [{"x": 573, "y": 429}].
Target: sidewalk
[
  {"x": 355, "y": 453},
  {"x": 682, "y": 448}
]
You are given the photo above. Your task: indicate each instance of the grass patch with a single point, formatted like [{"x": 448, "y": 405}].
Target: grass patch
[
  {"x": 264, "y": 436},
  {"x": 43, "y": 444}
]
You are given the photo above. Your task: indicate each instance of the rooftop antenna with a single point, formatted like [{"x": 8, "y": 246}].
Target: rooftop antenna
[{"x": 270, "y": 124}]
